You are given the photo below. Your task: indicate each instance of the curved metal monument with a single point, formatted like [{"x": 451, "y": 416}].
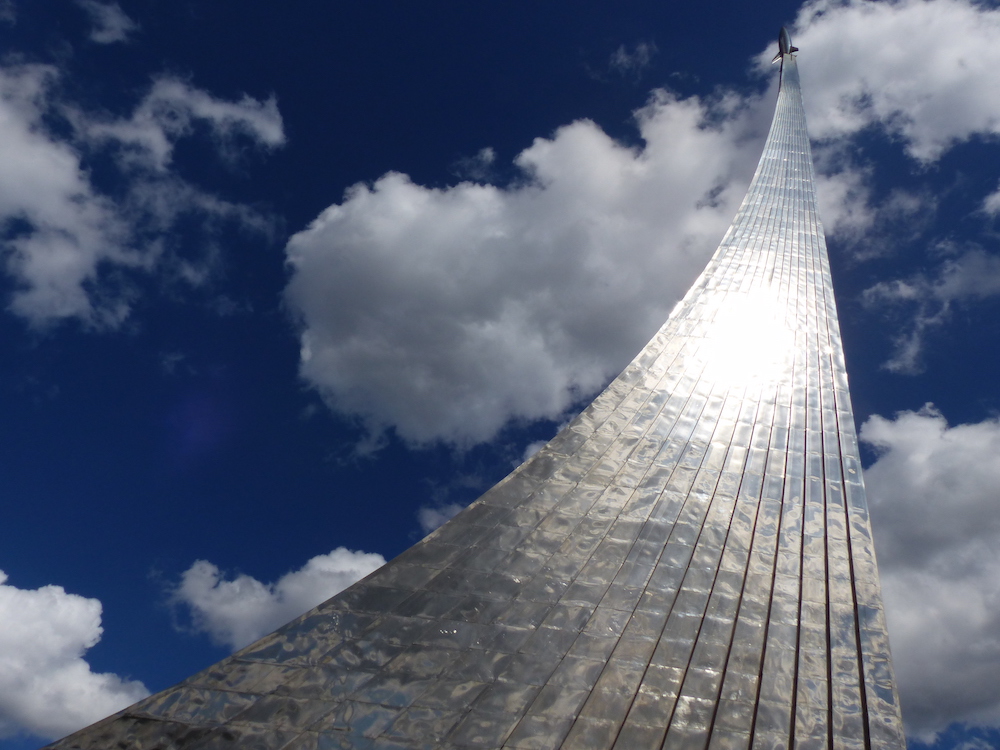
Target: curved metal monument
[{"x": 688, "y": 564}]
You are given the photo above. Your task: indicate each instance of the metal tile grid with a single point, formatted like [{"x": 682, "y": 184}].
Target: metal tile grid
[{"x": 688, "y": 564}]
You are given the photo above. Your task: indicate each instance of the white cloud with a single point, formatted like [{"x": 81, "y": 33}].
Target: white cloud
[
  {"x": 963, "y": 276},
  {"x": 975, "y": 744},
  {"x": 633, "y": 62},
  {"x": 46, "y": 686},
  {"x": 936, "y": 517},
  {"x": 923, "y": 69},
  {"x": 110, "y": 24},
  {"x": 530, "y": 450},
  {"x": 238, "y": 611},
  {"x": 59, "y": 229},
  {"x": 170, "y": 110},
  {"x": 431, "y": 518},
  {"x": 444, "y": 313},
  {"x": 991, "y": 203},
  {"x": 478, "y": 168},
  {"x": 843, "y": 194},
  {"x": 65, "y": 243},
  {"x": 869, "y": 227}
]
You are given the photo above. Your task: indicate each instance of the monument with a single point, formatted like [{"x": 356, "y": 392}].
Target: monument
[{"x": 688, "y": 564}]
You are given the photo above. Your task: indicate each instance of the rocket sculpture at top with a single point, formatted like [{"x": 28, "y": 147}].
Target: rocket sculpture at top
[{"x": 784, "y": 46}]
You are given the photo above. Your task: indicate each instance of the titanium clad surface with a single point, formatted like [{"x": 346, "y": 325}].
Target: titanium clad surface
[{"x": 688, "y": 564}]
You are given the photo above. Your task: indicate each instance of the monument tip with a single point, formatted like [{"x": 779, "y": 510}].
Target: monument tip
[{"x": 784, "y": 45}]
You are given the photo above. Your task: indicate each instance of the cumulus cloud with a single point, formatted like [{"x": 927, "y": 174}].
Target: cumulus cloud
[
  {"x": 58, "y": 229},
  {"x": 531, "y": 450},
  {"x": 444, "y": 313},
  {"x": 919, "y": 71},
  {"x": 991, "y": 203},
  {"x": 631, "y": 62},
  {"x": 170, "y": 110},
  {"x": 110, "y": 24},
  {"x": 929, "y": 299},
  {"x": 934, "y": 507},
  {"x": 922, "y": 69},
  {"x": 237, "y": 611},
  {"x": 922, "y": 72},
  {"x": 47, "y": 688},
  {"x": 975, "y": 744},
  {"x": 871, "y": 227},
  {"x": 478, "y": 168},
  {"x": 431, "y": 518},
  {"x": 65, "y": 243}
]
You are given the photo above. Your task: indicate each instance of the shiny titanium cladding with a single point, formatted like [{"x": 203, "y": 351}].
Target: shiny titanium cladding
[{"x": 687, "y": 564}]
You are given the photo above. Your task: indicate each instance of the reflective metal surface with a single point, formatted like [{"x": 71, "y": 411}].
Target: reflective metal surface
[{"x": 688, "y": 564}]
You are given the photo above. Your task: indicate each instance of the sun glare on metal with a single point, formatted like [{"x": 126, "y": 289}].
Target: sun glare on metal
[{"x": 748, "y": 341}]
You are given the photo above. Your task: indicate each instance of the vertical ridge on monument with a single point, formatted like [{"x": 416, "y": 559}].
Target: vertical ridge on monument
[{"x": 688, "y": 564}]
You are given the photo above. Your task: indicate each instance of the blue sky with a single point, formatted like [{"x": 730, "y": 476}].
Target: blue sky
[{"x": 283, "y": 287}]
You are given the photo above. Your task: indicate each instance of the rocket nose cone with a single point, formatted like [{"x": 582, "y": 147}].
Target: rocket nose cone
[{"x": 784, "y": 43}]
